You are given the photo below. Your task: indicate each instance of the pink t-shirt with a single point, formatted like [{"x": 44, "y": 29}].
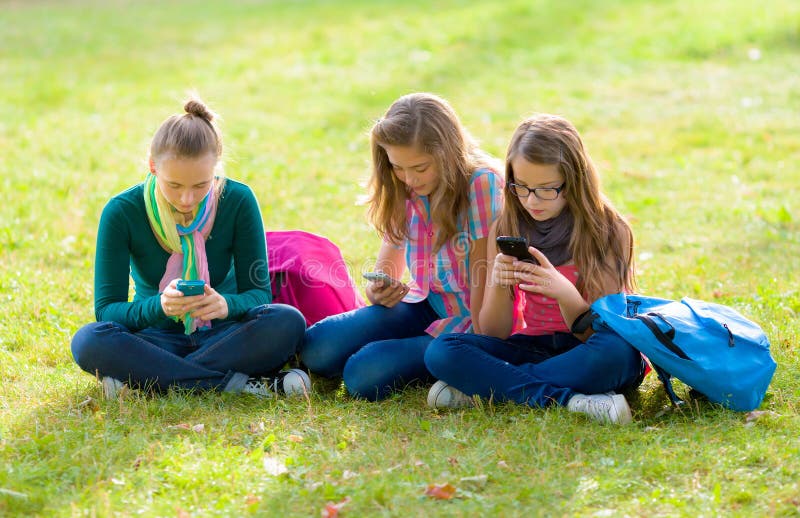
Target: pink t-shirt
[{"x": 541, "y": 315}]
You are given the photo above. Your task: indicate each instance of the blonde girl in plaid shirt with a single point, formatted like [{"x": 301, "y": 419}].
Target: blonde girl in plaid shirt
[{"x": 433, "y": 196}]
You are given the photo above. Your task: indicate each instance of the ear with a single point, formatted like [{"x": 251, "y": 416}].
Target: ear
[{"x": 152, "y": 165}]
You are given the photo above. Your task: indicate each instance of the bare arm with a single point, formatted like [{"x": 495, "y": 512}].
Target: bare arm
[
  {"x": 497, "y": 308},
  {"x": 477, "y": 280}
]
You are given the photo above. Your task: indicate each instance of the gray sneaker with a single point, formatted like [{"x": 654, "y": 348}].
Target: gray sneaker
[
  {"x": 607, "y": 408},
  {"x": 111, "y": 387},
  {"x": 442, "y": 395}
]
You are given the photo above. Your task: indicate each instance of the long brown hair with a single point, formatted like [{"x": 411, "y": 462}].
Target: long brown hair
[
  {"x": 602, "y": 240},
  {"x": 428, "y": 123}
]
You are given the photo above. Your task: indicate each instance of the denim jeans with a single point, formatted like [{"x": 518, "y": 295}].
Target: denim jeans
[
  {"x": 220, "y": 358},
  {"x": 535, "y": 370},
  {"x": 375, "y": 349}
]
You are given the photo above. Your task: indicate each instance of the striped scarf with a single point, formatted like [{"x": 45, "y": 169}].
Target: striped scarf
[{"x": 187, "y": 244}]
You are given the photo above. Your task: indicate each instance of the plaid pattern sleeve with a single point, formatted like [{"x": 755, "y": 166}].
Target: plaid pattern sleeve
[{"x": 443, "y": 276}]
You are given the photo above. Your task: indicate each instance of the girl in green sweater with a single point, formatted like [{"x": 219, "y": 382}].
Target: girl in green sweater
[{"x": 186, "y": 222}]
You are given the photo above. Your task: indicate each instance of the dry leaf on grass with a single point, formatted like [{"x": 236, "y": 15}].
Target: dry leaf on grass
[
  {"x": 331, "y": 510},
  {"x": 440, "y": 491}
]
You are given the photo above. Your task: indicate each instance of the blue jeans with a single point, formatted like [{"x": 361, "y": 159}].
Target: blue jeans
[
  {"x": 375, "y": 349},
  {"x": 221, "y": 358},
  {"x": 535, "y": 370}
]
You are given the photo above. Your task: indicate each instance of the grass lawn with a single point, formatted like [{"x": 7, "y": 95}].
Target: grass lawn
[{"x": 689, "y": 108}]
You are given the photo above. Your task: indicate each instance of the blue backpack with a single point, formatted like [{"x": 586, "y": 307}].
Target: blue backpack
[{"x": 710, "y": 347}]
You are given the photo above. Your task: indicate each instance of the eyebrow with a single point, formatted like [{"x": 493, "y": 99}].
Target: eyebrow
[
  {"x": 542, "y": 185},
  {"x": 193, "y": 185},
  {"x": 415, "y": 166}
]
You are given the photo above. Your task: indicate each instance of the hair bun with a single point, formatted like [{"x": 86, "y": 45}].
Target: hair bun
[{"x": 196, "y": 107}]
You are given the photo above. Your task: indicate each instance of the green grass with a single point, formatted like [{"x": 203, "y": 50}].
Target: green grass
[{"x": 697, "y": 141}]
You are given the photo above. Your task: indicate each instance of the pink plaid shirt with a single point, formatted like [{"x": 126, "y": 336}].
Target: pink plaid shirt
[{"x": 443, "y": 276}]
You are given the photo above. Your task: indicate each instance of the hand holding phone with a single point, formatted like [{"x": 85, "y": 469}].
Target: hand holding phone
[
  {"x": 190, "y": 288},
  {"x": 516, "y": 247}
]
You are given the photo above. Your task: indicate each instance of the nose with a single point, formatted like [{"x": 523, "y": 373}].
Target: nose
[
  {"x": 531, "y": 200},
  {"x": 187, "y": 198}
]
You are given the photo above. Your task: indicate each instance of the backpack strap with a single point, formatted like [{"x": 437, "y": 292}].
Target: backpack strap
[
  {"x": 277, "y": 283},
  {"x": 666, "y": 338},
  {"x": 666, "y": 380}
]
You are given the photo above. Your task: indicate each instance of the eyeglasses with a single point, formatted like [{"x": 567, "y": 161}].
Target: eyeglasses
[{"x": 542, "y": 193}]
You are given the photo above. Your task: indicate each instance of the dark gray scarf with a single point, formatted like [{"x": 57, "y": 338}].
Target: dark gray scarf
[{"x": 551, "y": 237}]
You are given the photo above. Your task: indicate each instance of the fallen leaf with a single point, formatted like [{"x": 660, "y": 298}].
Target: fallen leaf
[
  {"x": 503, "y": 464},
  {"x": 440, "y": 491},
  {"x": 257, "y": 427},
  {"x": 199, "y": 428},
  {"x": 182, "y": 426},
  {"x": 348, "y": 474},
  {"x": 454, "y": 461},
  {"x": 419, "y": 463},
  {"x": 331, "y": 510},
  {"x": 295, "y": 438},
  {"x": 274, "y": 467},
  {"x": 180, "y": 513},
  {"x": 138, "y": 462},
  {"x": 252, "y": 499}
]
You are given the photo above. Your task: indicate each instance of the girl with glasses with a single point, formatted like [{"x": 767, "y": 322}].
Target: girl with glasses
[
  {"x": 433, "y": 195},
  {"x": 536, "y": 346},
  {"x": 186, "y": 222}
]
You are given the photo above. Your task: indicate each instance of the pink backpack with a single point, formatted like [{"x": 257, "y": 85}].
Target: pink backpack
[{"x": 308, "y": 272}]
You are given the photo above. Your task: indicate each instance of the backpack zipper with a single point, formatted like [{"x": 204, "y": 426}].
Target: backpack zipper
[{"x": 730, "y": 335}]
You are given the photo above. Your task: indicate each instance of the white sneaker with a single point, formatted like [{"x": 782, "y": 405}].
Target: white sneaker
[
  {"x": 290, "y": 382},
  {"x": 295, "y": 382},
  {"x": 607, "y": 408},
  {"x": 442, "y": 395},
  {"x": 111, "y": 387}
]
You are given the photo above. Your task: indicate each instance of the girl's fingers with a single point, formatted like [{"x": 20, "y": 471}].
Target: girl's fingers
[{"x": 540, "y": 257}]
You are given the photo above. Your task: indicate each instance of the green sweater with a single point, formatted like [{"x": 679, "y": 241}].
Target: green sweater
[{"x": 126, "y": 247}]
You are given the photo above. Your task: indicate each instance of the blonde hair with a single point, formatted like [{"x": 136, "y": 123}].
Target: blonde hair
[
  {"x": 188, "y": 135},
  {"x": 602, "y": 240},
  {"x": 429, "y": 124}
]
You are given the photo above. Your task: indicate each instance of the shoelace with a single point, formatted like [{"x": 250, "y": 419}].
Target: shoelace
[{"x": 599, "y": 406}]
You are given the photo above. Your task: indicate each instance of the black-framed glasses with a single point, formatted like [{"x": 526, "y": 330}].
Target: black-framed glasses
[{"x": 542, "y": 193}]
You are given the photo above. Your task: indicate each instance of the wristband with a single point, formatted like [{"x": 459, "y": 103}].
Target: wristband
[{"x": 583, "y": 322}]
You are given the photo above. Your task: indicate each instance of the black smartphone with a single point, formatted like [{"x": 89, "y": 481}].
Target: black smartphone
[
  {"x": 189, "y": 288},
  {"x": 515, "y": 246}
]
